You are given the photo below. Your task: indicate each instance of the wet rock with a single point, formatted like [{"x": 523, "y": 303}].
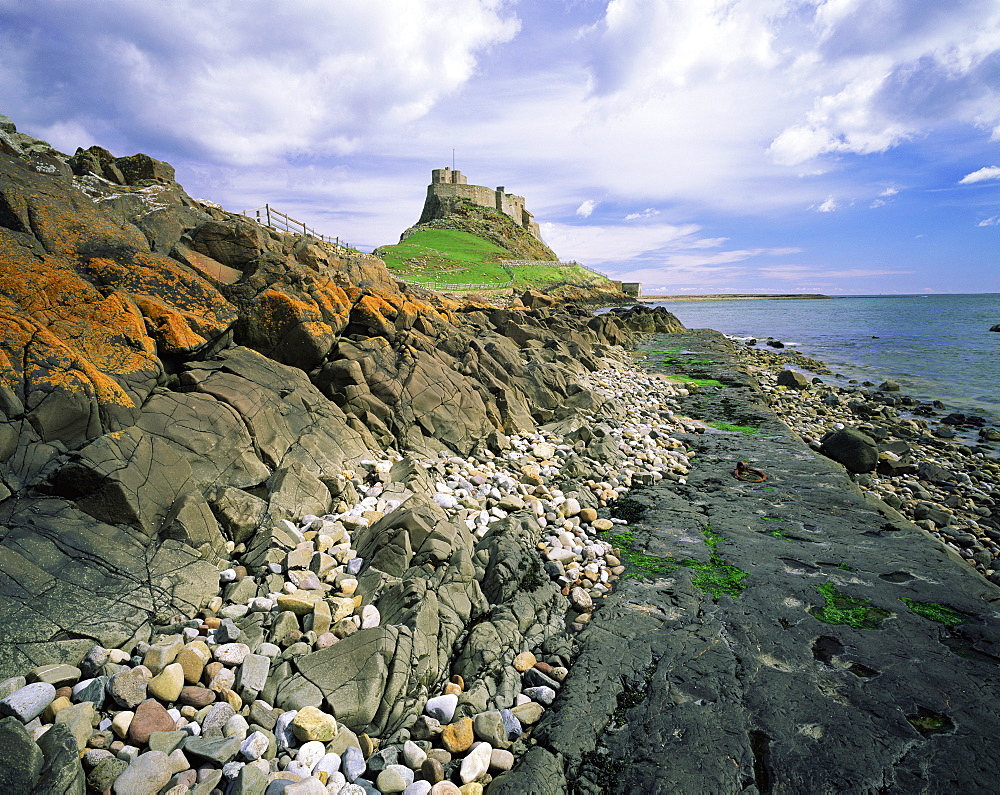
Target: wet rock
[{"x": 855, "y": 450}]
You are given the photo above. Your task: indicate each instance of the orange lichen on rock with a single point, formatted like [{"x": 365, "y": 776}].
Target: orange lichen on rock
[
  {"x": 51, "y": 364},
  {"x": 375, "y": 314},
  {"x": 277, "y": 311},
  {"x": 333, "y": 303},
  {"x": 155, "y": 276},
  {"x": 170, "y": 328}
]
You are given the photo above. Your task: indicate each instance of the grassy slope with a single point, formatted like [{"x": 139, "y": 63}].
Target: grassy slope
[{"x": 443, "y": 252}]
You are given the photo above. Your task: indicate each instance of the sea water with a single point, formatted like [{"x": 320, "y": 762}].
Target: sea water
[{"x": 937, "y": 347}]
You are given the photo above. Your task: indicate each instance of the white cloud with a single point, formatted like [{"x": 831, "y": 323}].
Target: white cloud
[
  {"x": 986, "y": 173},
  {"x": 890, "y": 191},
  {"x": 245, "y": 82},
  {"x": 597, "y": 243},
  {"x": 798, "y": 272},
  {"x": 828, "y": 206},
  {"x": 993, "y": 221},
  {"x": 586, "y": 209},
  {"x": 649, "y": 212}
]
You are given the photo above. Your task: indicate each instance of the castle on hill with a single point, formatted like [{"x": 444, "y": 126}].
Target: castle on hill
[{"x": 448, "y": 186}]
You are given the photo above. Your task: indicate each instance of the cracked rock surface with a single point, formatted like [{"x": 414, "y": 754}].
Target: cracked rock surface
[{"x": 677, "y": 690}]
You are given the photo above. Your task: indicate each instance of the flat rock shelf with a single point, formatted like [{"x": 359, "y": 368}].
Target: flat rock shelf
[{"x": 857, "y": 654}]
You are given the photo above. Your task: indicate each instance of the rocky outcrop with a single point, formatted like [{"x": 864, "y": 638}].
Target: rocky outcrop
[
  {"x": 485, "y": 223},
  {"x": 175, "y": 381}
]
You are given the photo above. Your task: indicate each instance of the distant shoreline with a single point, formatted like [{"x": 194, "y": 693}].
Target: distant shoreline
[{"x": 729, "y": 297}]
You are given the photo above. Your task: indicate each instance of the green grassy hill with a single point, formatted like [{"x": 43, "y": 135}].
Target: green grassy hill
[{"x": 466, "y": 248}]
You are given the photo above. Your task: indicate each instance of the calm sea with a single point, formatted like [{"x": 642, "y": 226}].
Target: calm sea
[{"x": 938, "y": 347}]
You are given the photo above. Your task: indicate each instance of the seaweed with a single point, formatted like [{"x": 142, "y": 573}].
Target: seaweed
[
  {"x": 733, "y": 428},
  {"x": 715, "y": 577},
  {"x": 935, "y": 612},
  {"x": 839, "y": 608},
  {"x": 683, "y": 379}
]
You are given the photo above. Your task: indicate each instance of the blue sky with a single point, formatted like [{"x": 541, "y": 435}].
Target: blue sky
[{"x": 835, "y": 146}]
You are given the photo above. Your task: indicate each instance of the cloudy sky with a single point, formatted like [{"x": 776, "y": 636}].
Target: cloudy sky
[{"x": 836, "y": 146}]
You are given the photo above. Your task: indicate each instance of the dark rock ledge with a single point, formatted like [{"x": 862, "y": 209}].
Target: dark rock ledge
[{"x": 674, "y": 690}]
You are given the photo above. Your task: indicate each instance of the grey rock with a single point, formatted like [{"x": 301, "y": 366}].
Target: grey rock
[
  {"x": 353, "y": 763},
  {"x": 850, "y": 447},
  {"x": 128, "y": 688},
  {"x": 490, "y": 728},
  {"x": 94, "y": 691},
  {"x": 362, "y": 678},
  {"x": 212, "y": 749},
  {"x": 28, "y": 702},
  {"x": 511, "y": 724},
  {"x": 535, "y": 678},
  {"x": 20, "y": 759},
  {"x": 250, "y": 781},
  {"x": 217, "y": 717},
  {"x": 543, "y": 695},
  {"x": 149, "y": 772},
  {"x": 11, "y": 685},
  {"x": 792, "y": 379},
  {"x": 252, "y": 675},
  {"x": 62, "y": 771},
  {"x": 227, "y": 631},
  {"x": 104, "y": 774},
  {"x": 93, "y": 661}
]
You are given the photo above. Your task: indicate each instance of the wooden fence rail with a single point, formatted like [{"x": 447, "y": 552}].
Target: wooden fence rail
[{"x": 275, "y": 219}]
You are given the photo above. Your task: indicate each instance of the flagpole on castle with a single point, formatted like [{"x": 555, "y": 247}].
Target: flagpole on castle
[{"x": 452, "y": 159}]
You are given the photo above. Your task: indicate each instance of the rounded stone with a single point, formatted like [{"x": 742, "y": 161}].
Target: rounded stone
[
  {"x": 147, "y": 773},
  {"x": 458, "y": 736},
  {"x": 511, "y": 724},
  {"x": 311, "y": 723},
  {"x": 524, "y": 661},
  {"x": 395, "y": 778},
  {"x": 370, "y": 617},
  {"x": 254, "y": 746},
  {"x": 120, "y": 723},
  {"x": 442, "y": 708},
  {"x": 353, "y": 763},
  {"x": 432, "y": 770},
  {"x": 489, "y": 727},
  {"x": 445, "y": 788},
  {"x": 542, "y": 694},
  {"x": 476, "y": 763},
  {"x": 501, "y": 761},
  {"x": 167, "y": 684},
  {"x": 150, "y": 716},
  {"x": 310, "y": 753},
  {"x": 128, "y": 688},
  {"x": 413, "y": 755},
  {"x": 198, "y": 697},
  {"x": 231, "y": 653},
  {"x": 104, "y": 774},
  {"x": 29, "y": 701}
]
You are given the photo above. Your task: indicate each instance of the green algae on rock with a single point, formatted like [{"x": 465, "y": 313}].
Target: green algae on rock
[
  {"x": 839, "y": 608},
  {"x": 935, "y": 612}
]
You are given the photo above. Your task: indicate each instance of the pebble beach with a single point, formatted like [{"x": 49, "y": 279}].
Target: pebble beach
[{"x": 191, "y": 711}]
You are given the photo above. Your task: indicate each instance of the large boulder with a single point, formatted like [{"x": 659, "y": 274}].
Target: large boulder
[
  {"x": 850, "y": 447},
  {"x": 792, "y": 379}
]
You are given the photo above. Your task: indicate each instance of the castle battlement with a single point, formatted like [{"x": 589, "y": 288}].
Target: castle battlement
[{"x": 448, "y": 185}]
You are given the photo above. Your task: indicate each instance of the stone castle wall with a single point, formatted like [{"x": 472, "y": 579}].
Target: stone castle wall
[{"x": 448, "y": 185}]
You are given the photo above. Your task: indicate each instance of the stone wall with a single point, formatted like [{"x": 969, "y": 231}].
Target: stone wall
[{"x": 448, "y": 186}]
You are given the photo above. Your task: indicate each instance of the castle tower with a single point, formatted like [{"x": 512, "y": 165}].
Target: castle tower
[
  {"x": 450, "y": 185},
  {"x": 445, "y": 176}
]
